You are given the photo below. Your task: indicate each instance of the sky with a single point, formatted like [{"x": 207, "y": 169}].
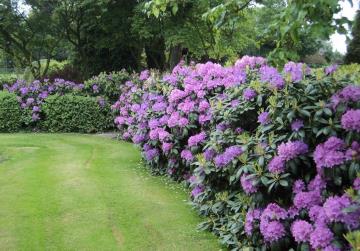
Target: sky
[{"x": 339, "y": 41}]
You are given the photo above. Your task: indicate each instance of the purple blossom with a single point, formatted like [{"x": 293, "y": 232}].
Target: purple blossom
[
  {"x": 318, "y": 216},
  {"x": 209, "y": 154},
  {"x": 151, "y": 154},
  {"x": 186, "y": 155},
  {"x": 356, "y": 184},
  {"x": 330, "y": 154},
  {"x": 247, "y": 184},
  {"x": 301, "y": 230},
  {"x": 296, "y": 125},
  {"x": 350, "y": 93},
  {"x": 299, "y": 186},
  {"x": 138, "y": 138},
  {"x": 272, "y": 76},
  {"x": 264, "y": 118},
  {"x": 292, "y": 149},
  {"x": 197, "y": 190},
  {"x": 334, "y": 207},
  {"x": 350, "y": 121},
  {"x": 166, "y": 147},
  {"x": 272, "y": 231},
  {"x": 230, "y": 153},
  {"x": 295, "y": 70},
  {"x": 331, "y": 69},
  {"x": 277, "y": 165},
  {"x": 307, "y": 199},
  {"x": 183, "y": 122},
  {"x": 251, "y": 216},
  {"x": 274, "y": 212},
  {"x": 249, "y": 94},
  {"x": 203, "y": 106},
  {"x": 144, "y": 75},
  {"x": 317, "y": 184},
  {"x": 196, "y": 139},
  {"x": 321, "y": 237}
]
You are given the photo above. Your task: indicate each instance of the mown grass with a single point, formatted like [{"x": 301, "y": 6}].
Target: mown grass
[{"x": 75, "y": 192}]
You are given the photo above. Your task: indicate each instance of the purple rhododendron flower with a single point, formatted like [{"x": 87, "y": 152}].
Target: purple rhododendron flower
[
  {"x": 356, "y": 184},
  {"x": 144, "y": 75},
  {"x": 209, "y": 154},
  {"x": 277, "y": 165},
  {"x": 263, "y": 118},
  {"x": 274, "y": 212},
  {"x": 272, "y": 76},
  {"x": 196, "y": 139},
  {"x": 292, "y": 149},
  {"x": 330, "y": 153},
  {"x": 197, "y": 190},
  {"x": 249, "y": 94},
  {"x": 307, "y": 199},
  {"x": 321, "y": 237},
  {"x": 251, "y": 216},
  {"x": 230, "y": 153},
  {"x": 272, "y": 231},
  {"x": 301, "y": 231},
  {"x": 318, "y": 216},
  {"x": 186, "y": 155},
  {"x": 331, "y": 69},
  {"x": 295, "y": 70},
  {"x": 317, "y": 184},
  {"x": 166, "y": 147},
  {"x": 296, "y": 125},
  {"x": 350, "y": 121},
  {"x": 299, "y": 186},
  {"x": 334, "y": 207},
  {"x": 247, "y": 184},
  {"x": 151, "y": 154}
]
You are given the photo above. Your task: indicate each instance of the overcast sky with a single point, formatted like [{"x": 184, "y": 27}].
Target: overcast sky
[{"x": 339, "y": 41}]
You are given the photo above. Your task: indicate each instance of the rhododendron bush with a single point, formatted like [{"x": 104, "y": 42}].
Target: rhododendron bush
[{"x": 271, "y": 157}]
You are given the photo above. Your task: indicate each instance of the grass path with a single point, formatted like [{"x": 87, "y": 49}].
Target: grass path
[{"x": 74, "y": 192}]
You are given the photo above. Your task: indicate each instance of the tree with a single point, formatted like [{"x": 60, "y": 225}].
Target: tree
[
  {"x": 26, "y": 38},
  {"x": 353, "y": 49}
]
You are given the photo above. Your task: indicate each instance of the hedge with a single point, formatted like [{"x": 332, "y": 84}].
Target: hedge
[
  {"x": 74, "y": 113},
  {"x": 10, "y": 113}
]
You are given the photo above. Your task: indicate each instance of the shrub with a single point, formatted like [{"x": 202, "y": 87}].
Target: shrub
[
  {"x": 268, "y": 155},
  {"x": 107, "y": 85},
  {"x": 7, "y": 79},
  {"x": 73, "y": 113},
  {"x": 10, "y": 113}
]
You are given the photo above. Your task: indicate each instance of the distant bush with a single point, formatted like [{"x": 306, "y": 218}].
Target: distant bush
[
  {"x": 73, "y": 113},
  {"x": 7, "y": 79},
  {"x": 107, "y": 84},
  {"x": 10, "y": 113},
  {"x": 350, "y": 72}
]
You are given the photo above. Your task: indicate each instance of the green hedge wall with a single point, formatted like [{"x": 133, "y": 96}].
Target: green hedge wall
[
  {"x": 73, "y": 113},
  {"x": 10, "y": 113}
]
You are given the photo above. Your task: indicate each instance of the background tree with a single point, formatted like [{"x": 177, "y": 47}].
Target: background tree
[
  {"x": 26, "y": 38},
  {"x": 353, "y": 49}
]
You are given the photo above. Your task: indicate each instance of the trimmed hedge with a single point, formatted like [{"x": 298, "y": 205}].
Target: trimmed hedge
[
  {"x": 73, "y": 113},
  {"x": 10, "y": 113}
]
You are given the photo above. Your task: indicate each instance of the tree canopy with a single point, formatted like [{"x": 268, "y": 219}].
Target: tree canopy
[{"x": 106, "y": 35}]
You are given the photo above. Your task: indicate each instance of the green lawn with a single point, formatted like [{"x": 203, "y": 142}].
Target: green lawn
[{"x": 76, "y": 192}]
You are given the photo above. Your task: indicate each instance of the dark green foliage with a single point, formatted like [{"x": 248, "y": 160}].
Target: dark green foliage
[
  {"x": 108, "y": 85},
  {"x": 6, "y": 79},
  {"x": 353, "y": 50},
  {"x": 10, "y": 113},
  {"x": 72, "y": 113}
]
